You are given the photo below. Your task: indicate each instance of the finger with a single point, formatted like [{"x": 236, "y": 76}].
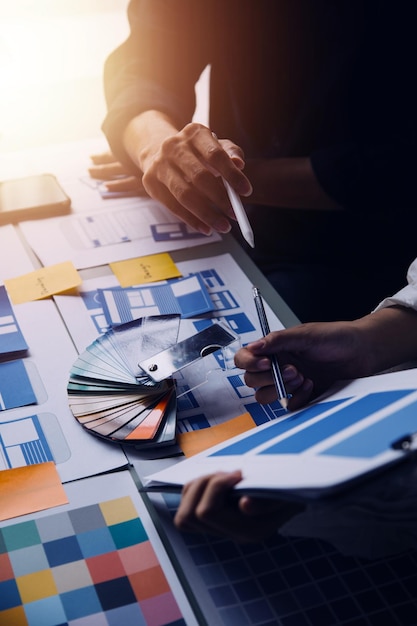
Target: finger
[
  {"x": 213, "y": 153},
  {"x": 234, "y": 152},
  {"x": 106, "y": 171},
  {"x": 127, "y": 183},
  {"x": 202, "y": 497},
  {"x": 245, "y": 359},
  {"x": 302, "y": 395},
  {"x": 103, "y": 157},
  {"x": 184, "y": 201}
]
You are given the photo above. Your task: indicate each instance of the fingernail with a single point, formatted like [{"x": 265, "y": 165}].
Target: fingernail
[
  {"x": 256, "y": 345},
  {"x": 245, "y": 189},
  {"x": 222, "y": 226}
]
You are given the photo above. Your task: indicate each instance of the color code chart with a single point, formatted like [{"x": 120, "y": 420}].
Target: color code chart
[{"x": 92, "y": 565}]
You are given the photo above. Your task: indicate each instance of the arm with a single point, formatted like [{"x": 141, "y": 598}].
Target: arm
[{"x": 287, "y": 182}]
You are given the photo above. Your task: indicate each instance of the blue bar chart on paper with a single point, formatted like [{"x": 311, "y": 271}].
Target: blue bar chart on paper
[{"x": 321, "y": 447}]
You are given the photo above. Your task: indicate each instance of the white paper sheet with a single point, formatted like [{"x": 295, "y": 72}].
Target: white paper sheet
[
  {"x": 339, "y": 439},
  {"x": 51, "y": 353}
]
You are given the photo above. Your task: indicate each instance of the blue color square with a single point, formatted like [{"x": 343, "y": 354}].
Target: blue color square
[
  {"x": 236, "y": 570},
  {"x": 234, "y": 615},
  {"x": 259, "y": 612},
  {"x": 202, "y": 555},
  {"x": 95, "y": 542},
  {"x": 87, "y": 518},
  {"x": 212, "y": 575},
  {"x": 20, "y": 536},
  {"x": 80, "y": 602},
  {"x": 9, "y": 595},
  {"x": 223, "y": 596},
  {"x": 130, "y": 614},
  {"x": 247, "y": 590},
  {"x": 284, "y": 603},
  {"x": 128, "y": 533},
  {"x": 45, "y": 612},
  {"x": 28, "y": 560},
  {"x": 115, "y": 593},
  {"x": 225, "y": 550},
  {"x": 321, "y": 615},
  {"x": 60, "y": 551},
  {"x": 54, "y": 527}
]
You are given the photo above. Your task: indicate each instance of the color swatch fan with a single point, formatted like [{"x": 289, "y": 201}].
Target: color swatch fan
[{"x": 113, "y": 398}]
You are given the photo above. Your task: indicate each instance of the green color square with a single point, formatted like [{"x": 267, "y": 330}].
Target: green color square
[
  {"x": 128, "y": 533},
  {"x": 3, "y": 548},
  {"x": 21, "y": 536}
]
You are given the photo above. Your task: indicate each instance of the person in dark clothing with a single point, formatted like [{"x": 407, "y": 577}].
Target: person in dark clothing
[{"x": 314, "y": 108}]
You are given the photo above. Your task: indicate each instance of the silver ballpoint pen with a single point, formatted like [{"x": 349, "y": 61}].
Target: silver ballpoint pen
[{"x": 283, "y": 396}]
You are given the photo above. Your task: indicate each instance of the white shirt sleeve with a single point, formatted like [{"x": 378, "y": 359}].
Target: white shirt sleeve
[{"x": 407, "y": 296}]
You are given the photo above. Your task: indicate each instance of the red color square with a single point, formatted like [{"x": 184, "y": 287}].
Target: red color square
[
  {"x": 6, "y": 570},
  {"x": 149, "y": 583},
  {"x": 105, "y": 567}
]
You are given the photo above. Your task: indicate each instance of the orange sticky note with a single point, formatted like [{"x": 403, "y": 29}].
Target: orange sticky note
[
  {"x": 145, "y": 269},
  {"x": 29, "y": 489},
  {"x": 43, "y": 283},
  {"x": 197, "y": 441}
]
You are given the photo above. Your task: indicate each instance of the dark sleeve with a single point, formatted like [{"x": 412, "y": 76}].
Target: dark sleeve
[
  {"x": 155, "y": 68},
  {"x": 374, "y": 165}
]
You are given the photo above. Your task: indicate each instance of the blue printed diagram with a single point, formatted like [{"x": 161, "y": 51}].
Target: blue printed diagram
[
  {"x": 23, "y": 442},
  {"x": 11, "y": 337},
  {"x": 286, "y": 436},
  {"x": 319, "y": 448},
  {"x": 15, "y": 386}
]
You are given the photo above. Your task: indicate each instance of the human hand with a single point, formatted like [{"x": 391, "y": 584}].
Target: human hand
[
  {"x": 184, "y": 172},
  {"x": 312, "y": 357},
  {"x": 208, "y": 505},
  {"x": 106, "y": 168}
]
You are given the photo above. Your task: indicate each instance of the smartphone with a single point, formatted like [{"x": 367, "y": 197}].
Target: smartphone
[{"x": 32, "y": 198}]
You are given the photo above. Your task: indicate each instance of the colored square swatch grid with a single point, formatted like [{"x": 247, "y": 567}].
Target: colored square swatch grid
[{"x": 92, "y": 565}]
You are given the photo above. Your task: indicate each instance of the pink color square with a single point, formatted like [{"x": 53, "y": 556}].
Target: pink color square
[
  {"x": 105, "y": 567},
  {"x": 138, "y": 558},
  {"x": 160, "y": 610}
]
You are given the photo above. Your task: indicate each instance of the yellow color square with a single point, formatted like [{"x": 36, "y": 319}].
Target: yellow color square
[
  {"x": 36, "y": 586},
  {"x": 14, "y": 617},
  {"x": 118, "y": 511}
]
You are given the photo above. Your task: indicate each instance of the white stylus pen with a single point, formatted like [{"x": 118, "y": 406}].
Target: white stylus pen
[{"x": 240, "y": 213}]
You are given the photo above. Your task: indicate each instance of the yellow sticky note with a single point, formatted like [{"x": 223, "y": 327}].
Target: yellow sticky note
[
  {"x": 30, "y": 488},
  {"x": 145, "y": 269},
  {"x": 43, "y": 283},
  {"x": 196, "y": 441}
]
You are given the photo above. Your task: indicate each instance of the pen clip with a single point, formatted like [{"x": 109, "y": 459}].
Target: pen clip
[{"x": 406, "y": 443}]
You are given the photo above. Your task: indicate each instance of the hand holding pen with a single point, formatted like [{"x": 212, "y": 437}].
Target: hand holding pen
[{"x": 283, "y": 396}]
